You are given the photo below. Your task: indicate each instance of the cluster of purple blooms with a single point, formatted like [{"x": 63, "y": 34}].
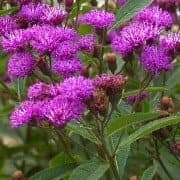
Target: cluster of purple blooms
[
  {"x": 143, "y": 37},
  {"x": 56, "y": 104},
  {"x": 38, "y": 31}
]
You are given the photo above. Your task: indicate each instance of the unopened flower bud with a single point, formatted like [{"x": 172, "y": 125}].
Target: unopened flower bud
[
  {"x": 167, "y": 104},
  {"x": 111, "y": 60},
  {"x": 18, "y": 175},
  {"x": 69, "y": 4},
  {"x": 85, "y": 71},
  {"x": 99, "y": 102},
  {"x": 176, "y": 148}
]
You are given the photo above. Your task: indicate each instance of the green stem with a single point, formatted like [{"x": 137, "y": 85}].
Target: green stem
[
  {"x": 65, "y": 145},
  {"x": 163, "y": 83},
  {"x": 160, "y": 161},
  {"x": 106, "y": 5},
  {"x": 103, "y": 148},
  {"x": 77, "y": 13}
]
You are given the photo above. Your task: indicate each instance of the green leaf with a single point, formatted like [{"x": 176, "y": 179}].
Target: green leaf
[
  {"x": 20, "y": 85},
  {"x": 130, "y": 9},
  {"x": 81, "y": 130},
  {"x": 60, "y": 159},
  {"x": 92, "y": 170},
  {"x": 53, "y": 173},
  {"x": 125, "y": 121},
  {"x": 121, "y": 158},
  {"x": 173, "y": 79},
  {"x": 149, "y": 89},
  {"x": 9, "y": 11},
  {"x": 122, "y": 153},
  {"x": 149, "y": 128},
  {"x": 149, "y": 173}
]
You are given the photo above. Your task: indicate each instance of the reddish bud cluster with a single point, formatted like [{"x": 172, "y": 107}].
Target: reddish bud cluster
[{"x": 99, "y": 102}]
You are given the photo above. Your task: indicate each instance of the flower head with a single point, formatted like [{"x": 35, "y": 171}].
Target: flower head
[
  {"x": 87, "y": 43},
  {"x": 61, "y": 110},
  {"x": 134, "y": 36},
  {"x": 171, "y": 41},
  {"x": 67, "y": 68},
  {"x": 39, "y": 91},
  {"x": 156, "y": 16},
  {"x": 65, "y": 50},
  {"x": 15, "y": 41},
  {"x": 32, "y": 12},
  {"x": 99, "y": 19},
  {"x": 25, "y": 113},
  {"x": 53, "y": 15},
  {"x": 155, "y": 59},
  {"x": 78, "y": 88},
  {"x": 7, "y": 25},
  {"x": 21, "y": 65},
  {"x": 46, "y": 38}
]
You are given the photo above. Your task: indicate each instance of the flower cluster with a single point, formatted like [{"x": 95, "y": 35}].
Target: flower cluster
[
  {"x": 111, "y": 84},
  {"x": 134, "y": 36},
  {"x": 57, "y": 104},
  {"x": 37, "y": 29},
  {"x": 142, "y": 37}
]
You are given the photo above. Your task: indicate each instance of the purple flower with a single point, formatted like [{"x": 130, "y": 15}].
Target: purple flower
[
  {"x": 15, "y": 41},
  {"x": 53, "y": 15},
  {"x": 67, "y": 68},
  {"x": 156, "y": 16},
  {"x": 171, "y": 41},
  {"x": 32, "y": 12},
  {"x": 155, "y": 59},
  {"x": 87, "y": 43},
  {"x": 39, "y": 91},
  {"x": 134, "y": 36},
  {"x": 78, "y": 88},
  {"x": 45, "y": 39},
  {"x": 137, "y": 98},
  {"x": 21, "y": 65},
  {"x": 99, "y": 19},
  {"x": 61, "y": 110},
  {"x": 7, "y": 25},
  {"x": 65, "y": 50},
  {"x": 25, "y": 113}
]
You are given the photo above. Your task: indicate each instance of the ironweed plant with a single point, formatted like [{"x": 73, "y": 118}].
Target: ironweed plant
[{"x": 89, "y": 89}]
